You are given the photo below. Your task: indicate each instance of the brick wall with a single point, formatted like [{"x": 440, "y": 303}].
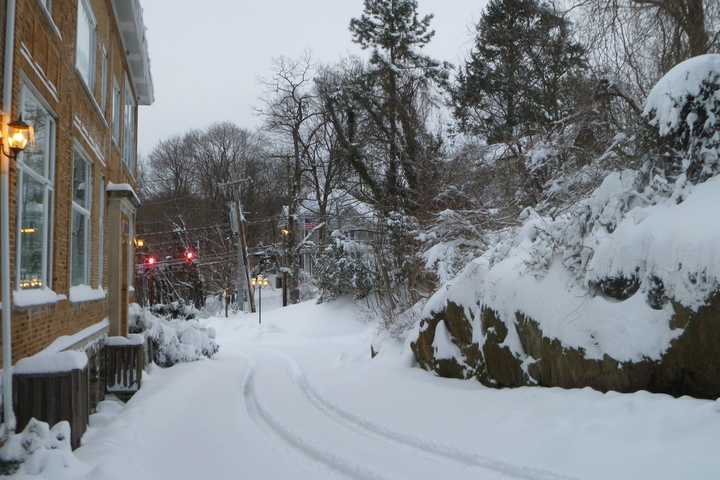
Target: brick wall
[{"x": 45, "y": 60}]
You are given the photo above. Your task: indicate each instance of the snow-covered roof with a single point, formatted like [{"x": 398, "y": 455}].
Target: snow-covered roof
[{"x": 129, "y": 16}]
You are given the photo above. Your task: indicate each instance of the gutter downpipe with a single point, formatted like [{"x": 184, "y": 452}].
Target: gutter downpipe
[{"x": 9, "y": 414}]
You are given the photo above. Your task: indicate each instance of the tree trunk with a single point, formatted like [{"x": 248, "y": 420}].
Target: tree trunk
[{"x": 698, "y": 38}]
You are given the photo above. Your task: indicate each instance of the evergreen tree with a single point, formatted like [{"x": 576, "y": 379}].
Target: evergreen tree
[
  {"x": 394, "y": 31},
  {"x": 379, "y": 114},
  {"x": 520, "y": 74}
]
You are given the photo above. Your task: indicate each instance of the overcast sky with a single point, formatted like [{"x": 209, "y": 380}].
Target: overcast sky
[{"x": 208, "y": 55}]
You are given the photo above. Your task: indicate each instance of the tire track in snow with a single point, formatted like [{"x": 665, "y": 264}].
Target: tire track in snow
[
  {"x": 355, "y": 422},
  {"x": 262, "y": 417}
]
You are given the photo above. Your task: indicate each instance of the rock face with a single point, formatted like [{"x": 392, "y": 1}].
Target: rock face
[{"x": 690, "y": 366}]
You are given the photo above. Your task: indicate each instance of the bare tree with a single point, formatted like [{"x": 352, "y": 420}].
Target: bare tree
[
  {"x": 290, "y": 113},
  {"x": 640, "y": 40}
]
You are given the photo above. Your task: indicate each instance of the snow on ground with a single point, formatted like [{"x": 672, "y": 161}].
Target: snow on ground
[{"x": 299, "y": 397}]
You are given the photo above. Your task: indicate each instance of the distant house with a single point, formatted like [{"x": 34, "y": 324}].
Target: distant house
[
  {"x": 354, "y": 219},
  {"x": 78, "y": 71}
]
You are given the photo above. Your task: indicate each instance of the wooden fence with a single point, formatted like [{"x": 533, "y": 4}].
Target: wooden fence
[
  {"x": 72, "y": 396},
  {"x": 52, "y": 398},
  {"x": 123, "y": 369}
]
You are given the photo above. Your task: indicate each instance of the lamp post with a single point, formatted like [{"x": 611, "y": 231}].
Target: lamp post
[
  {"x": 259, "y": 282},
  {"x": 16, "y": 140},
  {"x": 286, "y": 234}
]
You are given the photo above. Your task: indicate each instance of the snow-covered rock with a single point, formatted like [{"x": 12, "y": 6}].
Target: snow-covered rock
[{"x": 620, "y": 292}]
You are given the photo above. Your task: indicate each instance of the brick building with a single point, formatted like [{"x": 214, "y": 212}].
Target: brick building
[{"x": 78, "y": 71}]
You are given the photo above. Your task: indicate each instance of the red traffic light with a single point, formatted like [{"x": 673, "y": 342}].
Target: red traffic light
[
  {"x": 189, "y": 256},
  {"x": 151, "y": 261}
]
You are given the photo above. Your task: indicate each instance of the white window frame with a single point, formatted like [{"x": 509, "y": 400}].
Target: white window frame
[
  {"x": 103, "y": 77},
  {"x": 86, "y": 212},
  {"x": 129, "y": 149},
  {"x": 116, "y": 116},
  {"x": 101, "y": 232},
  {"x": 48, "y": 196},
  {"x": 47, "y": 5},
  {"x": 89, "y": 82}
]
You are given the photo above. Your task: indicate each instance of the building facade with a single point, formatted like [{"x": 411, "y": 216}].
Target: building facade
[{"x": 79, "y": 71}]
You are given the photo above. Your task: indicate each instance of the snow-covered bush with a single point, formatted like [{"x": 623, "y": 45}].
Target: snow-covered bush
[
  {"x": 181, "y": 310},
  {"x": 452, "y": 241},
  {"x": 684, "y": 107},
  {"x": 174, "y": 340},
  {"x": 344, "y": 268},
  {"x": 39, "y": 449}
]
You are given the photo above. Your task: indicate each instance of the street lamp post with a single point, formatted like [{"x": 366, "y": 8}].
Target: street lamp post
[
  {"x": 286, "y": 234},
  {"x": 17, "y": 136},
  {"x": 259, "y": 282}
]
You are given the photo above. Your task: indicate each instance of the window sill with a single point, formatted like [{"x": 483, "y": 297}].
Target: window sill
[
  {"x": 48, "y": 18},
  {"x": 85, "y": 293},
  {"x": 94, "y": 101},
  {"x": 36, "y": 297}
]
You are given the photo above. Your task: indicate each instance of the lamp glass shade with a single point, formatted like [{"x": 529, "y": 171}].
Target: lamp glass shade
[{"x": 19, "y": 134}]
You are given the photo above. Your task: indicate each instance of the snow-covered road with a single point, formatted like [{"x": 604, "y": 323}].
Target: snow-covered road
[{"x": 299, "y": 397}]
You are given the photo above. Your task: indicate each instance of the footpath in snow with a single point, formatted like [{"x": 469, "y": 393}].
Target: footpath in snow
[{"x": 299, "y": 397}]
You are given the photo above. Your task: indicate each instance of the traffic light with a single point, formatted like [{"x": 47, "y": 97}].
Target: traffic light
[
  {"x": 150, "y": 261},
  {"x": 189, "y": 256}
]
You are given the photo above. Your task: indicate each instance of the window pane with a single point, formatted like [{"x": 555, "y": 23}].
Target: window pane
[
  {"x": 81, "y": 188},
  {"x": 84, "y": 53},
  {"x": 32, "y": 232},
  {"x": 36, "y": 156},
  {"x": 79, "y": 249}
]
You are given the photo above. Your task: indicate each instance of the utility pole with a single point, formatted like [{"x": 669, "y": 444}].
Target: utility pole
[{"x": 242, "y": 244}]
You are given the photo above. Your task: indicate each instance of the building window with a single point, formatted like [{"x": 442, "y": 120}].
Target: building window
[
  {"x": 81, "y": 201},
  {"x": 116, "y": 112},
  {"x": 85, "y": 44},
  {"x": 101, "y": 233},
  {"x": 35, "y": 196},
  {"x": 129, "y": 129},
  {"x": 103, "y": 78}
]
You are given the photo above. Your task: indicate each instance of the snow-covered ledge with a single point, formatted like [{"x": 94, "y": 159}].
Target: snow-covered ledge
[
  {"x": 85, "y": 293},
  {"x": 67, "y": 342},
  {"x": 124, "y": 189},
  {"x": 35, "y": 297}
]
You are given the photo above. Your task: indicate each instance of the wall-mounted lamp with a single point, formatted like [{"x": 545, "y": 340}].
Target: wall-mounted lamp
[{"x": 18, "y": 138}]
